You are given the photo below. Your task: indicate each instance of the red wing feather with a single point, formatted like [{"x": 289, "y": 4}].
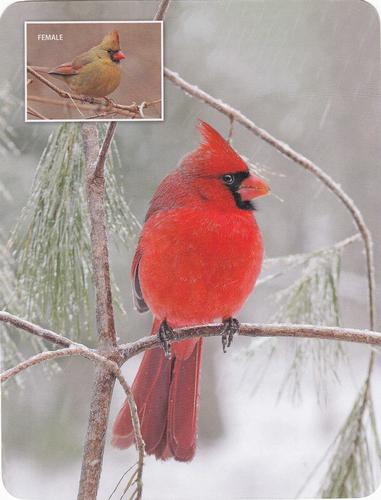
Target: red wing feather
[
  {"x": 66, "y": 69},
  {"x": 139, "y": 302}
]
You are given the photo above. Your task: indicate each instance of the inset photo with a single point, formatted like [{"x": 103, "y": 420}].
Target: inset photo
[{"x": 97, "y": 71}]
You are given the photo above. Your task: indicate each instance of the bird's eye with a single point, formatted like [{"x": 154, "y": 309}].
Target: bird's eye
[{"x": 228, "y": 179}]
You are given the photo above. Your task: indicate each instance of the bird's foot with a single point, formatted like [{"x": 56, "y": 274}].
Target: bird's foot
[
  {"x": 166, "y": 334},
  {"x": 231, "y": 326}
]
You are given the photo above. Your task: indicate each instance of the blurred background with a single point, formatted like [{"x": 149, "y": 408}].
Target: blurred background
[
  {"x": 141, "y": 70},
  {"x": 309, "y": 73}
]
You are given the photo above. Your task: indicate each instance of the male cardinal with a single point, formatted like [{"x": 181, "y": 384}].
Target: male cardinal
[
  {"x": 198, "y": 257},
  {"x": 95, "y": 73}
]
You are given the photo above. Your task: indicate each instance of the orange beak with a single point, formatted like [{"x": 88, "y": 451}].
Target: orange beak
[
  {"x": 253, "y": 187},
  {"x": 118, "y": 56}
]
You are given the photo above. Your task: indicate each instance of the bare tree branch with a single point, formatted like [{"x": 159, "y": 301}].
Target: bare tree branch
[
  {"x": 259, "y": 330},
  {"x": 134, "y": 109},
  {"x": 43, "y": 333},
  {"x": 104, "y": 379},
  {"x": 286, "y": 150},
  {"x": 124, "y": 352},
  {"x": 95, "y": 184},
  {"x": 89, "y": 107},
  {"x": 99, "y": 169},
  {"x": 110, "y": 365},
  {"x": 40, "y": 358},
  {"x": 163, "y": 6},
  {"x": 35, "y": 113}
]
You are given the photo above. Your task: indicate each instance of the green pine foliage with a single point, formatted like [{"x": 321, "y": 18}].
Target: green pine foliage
[
  {"x": 354, "y": 469},
  {"x": 51, "y": 241},
  {"x": 313, "y": 299},
  {"x": 9, "y": 107}
]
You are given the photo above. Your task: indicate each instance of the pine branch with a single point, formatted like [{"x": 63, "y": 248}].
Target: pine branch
[{"x": 51, "y": 241}]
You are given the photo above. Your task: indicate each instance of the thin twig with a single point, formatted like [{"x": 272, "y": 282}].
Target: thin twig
[
  {"x": 99, "y": 168},
  {"x": 231, "y": 130},
  {"x": 140, "y": 446},
  {"x": 287, "y": 151},
  {"x": 163, "y": 6},
  {"x": 40, "y": 358},
  {"x": 43, "y": 333},
  {"x": 83, "y": 106},
  {"x": 120, "y": 480},
  {"x": 111, "y": 366},
  {"x": 35, "y": 113},
  {"x": 48, "y": 83}
]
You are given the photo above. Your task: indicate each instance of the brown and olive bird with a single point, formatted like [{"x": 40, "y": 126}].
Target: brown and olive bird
[{"x": 95, "y": 73}]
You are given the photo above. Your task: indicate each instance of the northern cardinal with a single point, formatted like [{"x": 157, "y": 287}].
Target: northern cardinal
[
  {"x": 198, "y": 257},
  {"x": 95, "y": 73}
]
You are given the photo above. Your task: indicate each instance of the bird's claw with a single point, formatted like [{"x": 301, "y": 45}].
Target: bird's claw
[
  {"x": 231, "y": 326},
  {"x": 166, "y": 334}
]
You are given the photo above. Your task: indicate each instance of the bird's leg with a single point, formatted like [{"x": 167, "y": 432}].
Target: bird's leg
[
  {"x": 166, "y": 334},
  {"x": 231, "y": 326}
]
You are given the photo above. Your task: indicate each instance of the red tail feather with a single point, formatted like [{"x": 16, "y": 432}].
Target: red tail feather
[{"x": 166, "y": 394}]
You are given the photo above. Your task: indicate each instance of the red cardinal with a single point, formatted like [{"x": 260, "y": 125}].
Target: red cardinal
[{"x": 198, "y": 258}]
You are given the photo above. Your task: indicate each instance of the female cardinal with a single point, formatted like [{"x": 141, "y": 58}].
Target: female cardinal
[
  {"x": 197, "y": 260},
  {"x": 95, "y": 73}
]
